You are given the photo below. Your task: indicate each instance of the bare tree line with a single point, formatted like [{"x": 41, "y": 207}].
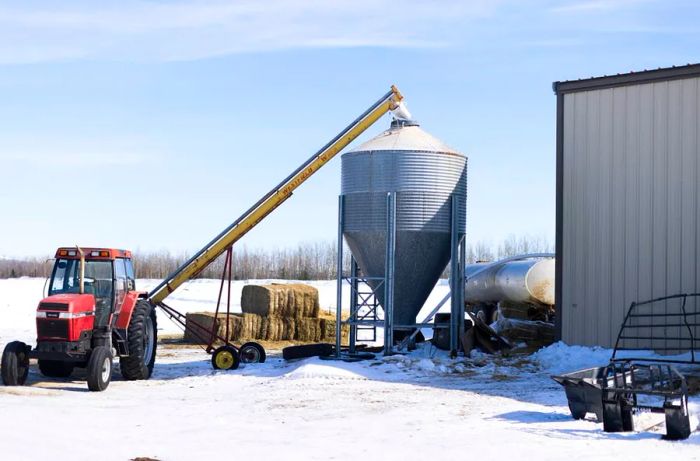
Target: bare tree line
[{"x": 306, "y": 261}]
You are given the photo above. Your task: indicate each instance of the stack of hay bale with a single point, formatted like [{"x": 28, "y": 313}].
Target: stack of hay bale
[{"x": 275, "y": 312}]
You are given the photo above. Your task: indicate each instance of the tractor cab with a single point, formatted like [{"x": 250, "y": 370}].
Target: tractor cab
[{"x": 105, "y": 274}]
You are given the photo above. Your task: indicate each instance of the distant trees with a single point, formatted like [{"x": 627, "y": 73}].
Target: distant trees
[
  {"x": 29, "y": 267},
  {"x": 306, "y": 261},
  {"x": 512, "y": 245}
]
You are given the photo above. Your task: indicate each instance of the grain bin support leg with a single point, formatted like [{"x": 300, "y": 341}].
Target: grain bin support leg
[
  {"x": 353, "y": 304},
  {"x": 339, "y": 278},
  {"x": 389, "y": 267},
  {"x": 456, "y": 277}
]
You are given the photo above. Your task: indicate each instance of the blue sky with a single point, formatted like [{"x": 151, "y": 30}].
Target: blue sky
[{"x": 152, "y": 125}]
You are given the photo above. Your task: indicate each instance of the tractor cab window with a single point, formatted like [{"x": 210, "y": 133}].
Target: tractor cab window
[
  {"x": 120, "y": 284},
  {"x": 65, "y": 277},
  {"x": 98, "y": 282},
  {"x": 131, "y": 279}
]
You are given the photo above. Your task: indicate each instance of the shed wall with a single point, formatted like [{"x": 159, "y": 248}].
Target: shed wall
[{"x": 630, "y": 209}]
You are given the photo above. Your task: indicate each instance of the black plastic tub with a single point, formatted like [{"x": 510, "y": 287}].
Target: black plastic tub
[{"x": 584, "y": 391}]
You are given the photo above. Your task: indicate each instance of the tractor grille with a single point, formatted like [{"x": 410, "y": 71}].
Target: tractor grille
[
  {"x": 52, "y": 328},
  {"x": 54, "y": 306}
]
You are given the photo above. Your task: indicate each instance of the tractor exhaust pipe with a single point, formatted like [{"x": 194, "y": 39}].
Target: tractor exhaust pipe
[{"x": 82, "y": 269}]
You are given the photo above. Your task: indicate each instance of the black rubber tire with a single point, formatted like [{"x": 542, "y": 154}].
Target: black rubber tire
[
  {"x": 252, "y": 352},
  {"x": 218, "y": 361},
  {"x": 55, "y": 368},
  {"x": 134, "y": 366},
  {"x": 14, "y": 366},
  {"x": 97, "y": 380},
  {"x": 307, "y": 350}
]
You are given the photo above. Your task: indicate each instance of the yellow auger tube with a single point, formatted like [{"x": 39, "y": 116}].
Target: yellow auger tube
[{"x": 274, "y": 198}]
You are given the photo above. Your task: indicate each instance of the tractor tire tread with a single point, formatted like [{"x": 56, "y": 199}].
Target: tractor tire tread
[
  {"x": 132, "y": 366},
  {"x": 94, "y": 369},
  {"x": 14, "y": 373}
]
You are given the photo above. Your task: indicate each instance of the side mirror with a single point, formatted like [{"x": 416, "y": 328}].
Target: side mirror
[{"x": 130, "y": 285}]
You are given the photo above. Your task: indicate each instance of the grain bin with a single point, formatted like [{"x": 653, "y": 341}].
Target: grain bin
[{"x": 425, "y": 174}]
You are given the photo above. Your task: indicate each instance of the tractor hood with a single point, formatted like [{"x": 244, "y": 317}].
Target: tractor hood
[
  {"x": 68, "y": 302},
  {"x": 64, "y": 317}
]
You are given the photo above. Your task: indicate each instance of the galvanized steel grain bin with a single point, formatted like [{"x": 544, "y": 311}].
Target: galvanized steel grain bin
[{"x": 425, "y": 173}]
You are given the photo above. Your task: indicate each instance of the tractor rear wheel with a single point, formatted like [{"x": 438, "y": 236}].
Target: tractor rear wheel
[
  {"x": 142, "y": 339},
  {"x": 55, "y": 369},
  {"x": 99, "y": 369},
  {"x": 225, "y": 358},
  {"x": 14, "y": 364},
  {"x": 252, "y": 352}
]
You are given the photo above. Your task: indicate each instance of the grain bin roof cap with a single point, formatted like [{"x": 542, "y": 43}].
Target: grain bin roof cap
[{"x": 405, "y": 135}]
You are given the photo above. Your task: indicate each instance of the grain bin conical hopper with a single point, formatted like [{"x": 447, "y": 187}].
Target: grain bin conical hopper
[{"x": 424, "y": 173}]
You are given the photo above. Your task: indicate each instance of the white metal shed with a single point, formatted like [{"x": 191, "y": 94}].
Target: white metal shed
[{"x": 628, "y": 210}]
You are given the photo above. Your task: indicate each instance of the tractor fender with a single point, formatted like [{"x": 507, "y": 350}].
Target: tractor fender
[{"x": 124, "y": 317}]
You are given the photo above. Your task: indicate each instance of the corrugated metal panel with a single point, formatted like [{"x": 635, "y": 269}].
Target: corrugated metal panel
[
  {"x": 424, "y": 182},
  {"x": 630, "y": 202}
]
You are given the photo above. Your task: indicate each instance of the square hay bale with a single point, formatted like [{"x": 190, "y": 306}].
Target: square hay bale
[
  {"x": 308, "y": 330},
  {"x": 252, "y": 327},
  {"x": 198, "y": 326},
  {"x": 290, "y": 330},
  {"x": 273, "y": 330},
  {"x": 236, "y": 327},
  {"x": 294, "y": 300},
  {"x": 328, "y": 330}
]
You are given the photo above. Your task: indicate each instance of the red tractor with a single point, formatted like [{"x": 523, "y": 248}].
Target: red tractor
[{"x": 92, "y": 314}]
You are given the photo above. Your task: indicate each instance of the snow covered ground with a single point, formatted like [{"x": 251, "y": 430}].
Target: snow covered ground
[{"x": 421, "y": 406}]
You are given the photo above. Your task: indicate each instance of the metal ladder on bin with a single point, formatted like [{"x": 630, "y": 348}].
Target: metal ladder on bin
[
  {"x": 367, "y": 312},
  {"x": 364, "y": 307}
]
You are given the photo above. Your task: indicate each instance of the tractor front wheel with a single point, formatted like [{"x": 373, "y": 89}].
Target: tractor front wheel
[
  {"x": 142, "y": 339},
  {"x": 99, "y": 369},
  {"x": 55, "y": 369},
  {"x": 225, "y": 358},
  {"x": 15, "y": 364}
]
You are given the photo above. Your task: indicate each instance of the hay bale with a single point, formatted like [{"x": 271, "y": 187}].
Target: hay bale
[
  {"x": 252, "y": 327},
  {"x": 290, "y": 329},
  {"x": 328, "y": 330},
  {"x": 308, "y": 330},
  {"x": 273, "y": 326},
  {"x": 236, "y": 327},
  {"x": 280, "y": 300},
  {"x": 198, "y": 326}
]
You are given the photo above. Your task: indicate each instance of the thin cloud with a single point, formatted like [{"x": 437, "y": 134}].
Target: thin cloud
[
  {"x": 85, "y": 152},
  {"x": 596, "y": 6},
  {"x": 67, "y": 159},
  {"x": 195, "y": 30}
]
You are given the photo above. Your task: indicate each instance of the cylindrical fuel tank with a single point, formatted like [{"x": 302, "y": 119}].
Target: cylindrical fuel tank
[
  {"x": 425, "y": 173},
  {"x": 526, "y": 281}
]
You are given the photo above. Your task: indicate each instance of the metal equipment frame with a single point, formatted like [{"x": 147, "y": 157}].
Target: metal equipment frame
[
  {"x": 627, "y": 380},
  {"x": 650, "y": 322},
  {"x": 364, "y": 305},
  {"x": 614, "y": 392},
  {"x": 205, "y": 334}
]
